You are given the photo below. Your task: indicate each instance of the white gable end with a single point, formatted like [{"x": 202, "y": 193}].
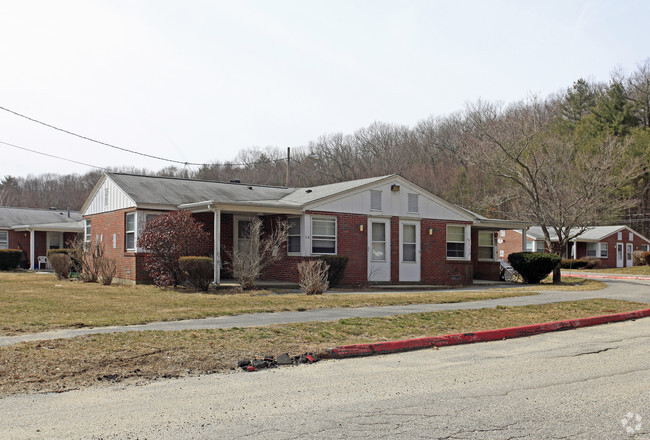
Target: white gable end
[
  {"x": 393, "y": 203},
  {"x": 109, "y": 197}
]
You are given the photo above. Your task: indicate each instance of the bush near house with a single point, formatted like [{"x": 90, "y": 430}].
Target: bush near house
[
  {"x": 571, "y": 263},
  {"x": 198, "y": 271},
  {"x": 60, "y": 263},
  {"x": 534, "y": 266},
  {"x": 313, "y": 276},
  {"x": 337, "y": 264},
  {"x": 646, "y": 257},
  {"x": 9, "y": 258},
  {"x": 637, "y": 258}
]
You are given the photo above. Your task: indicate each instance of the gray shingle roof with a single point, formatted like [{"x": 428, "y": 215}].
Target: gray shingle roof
[
  {"x": 594, "y": 233},
  {"x": 10, "y": 217},
  {"x": 174, "y": 191}
]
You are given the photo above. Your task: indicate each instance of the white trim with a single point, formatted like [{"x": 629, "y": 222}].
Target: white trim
[
  {"x": 4, "y": 243},
  {"x": 128, "y": 231},
  {"x": 493, "y": 246},
  {"x": 326, "y": 218},
  {"x": 467, "y": 242}
]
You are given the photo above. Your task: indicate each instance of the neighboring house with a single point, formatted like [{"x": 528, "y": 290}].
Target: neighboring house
[
  {"x": 613, "y": 245},
  {"x": 391, "y": 229},
  {"x": 34, "y": 231}
]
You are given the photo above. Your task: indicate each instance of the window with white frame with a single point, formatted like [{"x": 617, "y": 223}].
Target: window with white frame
[
  {"x": 539, "y": 245},
  {"x": 455, "y": 241},
  {"x": 409, "y": 243},
  {"x": 378, "y": 245},
  {"x": 130, "y": 231},
  {"x": 87, "y": 234},
  {"x": 630, "y": 236},
  {"x": 323, "y": 235},
  {"x": 375, "y": 200},
  {"x": 529, "y": 245},
  {"x": 413, "y": 203},
  {"x": 293, "y": 235},
  {"x": 485, "y": 245},
  {"x": 645, "y": 247},
  {"x": 4, "y": 239},
  {"x": 604, "y": 252},
  {"x": 592, "y": 249}
]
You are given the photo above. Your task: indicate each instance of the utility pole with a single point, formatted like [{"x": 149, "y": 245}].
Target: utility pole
[{"x": 288, "y": 160}]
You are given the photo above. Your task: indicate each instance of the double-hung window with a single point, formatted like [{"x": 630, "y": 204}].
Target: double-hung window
[
  {"x": 4, "y": 240},
  {"x": 592, "y": 249},
  {"x": 485, "y": 245},
  {"x": 603, "y": 250},
  {"x": 645, "y": 247},
  {"x": 455, "y": 241},
  {"x": 323, "y": 235},
  {"x": 293, "y": 235},
  {"x": 130, "y": 231},
  {"x": 87, "y": 234}
]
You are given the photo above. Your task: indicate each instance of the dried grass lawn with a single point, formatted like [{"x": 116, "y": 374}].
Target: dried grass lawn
[
  {"x": 140, "y": 357},
  {"x": 38, "y": 302}
]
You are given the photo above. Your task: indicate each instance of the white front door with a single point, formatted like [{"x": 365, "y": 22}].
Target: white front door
[
  {"x": 242, "y": 231},
  {"x": 409, "y": 251},
  {"x": 54, "y": 240},
  {"x": 620, "y": 261},
  {"x": 629, "y": 248},
  {"x": 378, "y": 250}
]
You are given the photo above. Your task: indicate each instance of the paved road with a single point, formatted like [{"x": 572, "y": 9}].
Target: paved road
[
  {"x": 578, "y": 384},
  {"x": 629, "y": 290}
]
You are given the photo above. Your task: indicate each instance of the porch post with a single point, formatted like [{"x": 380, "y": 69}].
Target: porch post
[
  {"x": 217, "y": 245},
  {"x": 574, "y": 251},
  {"x": 523, "y": 239},
  {"x": 31, "y": 249}
]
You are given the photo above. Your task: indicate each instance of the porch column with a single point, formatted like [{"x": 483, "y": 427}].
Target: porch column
[
  {"x": 574, "y": 251},
  {"x": 32, "y": 243},
  {"x": 523, "y": 239},
  {"x": 217, "y": 245}
]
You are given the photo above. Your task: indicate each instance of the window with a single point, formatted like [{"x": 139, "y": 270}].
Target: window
[
  {"x": 455, "y": 241},
  {"x": 375, "y": 200},
  {"x": 619, "y": 236},
  {"x": 413, "y": 203},
  {"x": 4, "y": 240},
  {"x": 130, "y": 231},
  {"x": 323, "y": 231},
  {"x": 408, "y": 243},
  {"x": 148, "y": 217},
  {"x": 539, "y": 245},
  {"x": 645, "y": 247},
  {"x": 630, "y": 236},
  {"x": 502, "y": 232},
  {"x": 529, "y": 246},
  {"x": 592, "y": 249},
  {"x": 485, "y": 245},
  {"x": 293, "y": 235},
  {"x": 87, "y": 234},
  {"x": 378, "y": 241},
  {"x": 603, "y": 250}
]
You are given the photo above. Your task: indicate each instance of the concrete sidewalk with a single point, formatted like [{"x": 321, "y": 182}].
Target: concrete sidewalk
[
  {"x": 603, "y": 275},
  {"x": 628, "y": 290}
]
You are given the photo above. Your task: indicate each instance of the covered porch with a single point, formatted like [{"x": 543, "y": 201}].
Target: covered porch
[{"x": 35, "y": 240}]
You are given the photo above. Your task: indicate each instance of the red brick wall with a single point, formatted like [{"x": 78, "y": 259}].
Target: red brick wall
[
  {"x": 435, "y": 268},
  {"x": 511, "y": 243},
  {"x": 611, "y": 241}
]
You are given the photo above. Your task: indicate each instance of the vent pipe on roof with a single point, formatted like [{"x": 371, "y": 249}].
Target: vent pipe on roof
[
  {"x": 52, "y": 208},
  {"x": 68, "y": 212},
  {"x": 235, "y": 181}
]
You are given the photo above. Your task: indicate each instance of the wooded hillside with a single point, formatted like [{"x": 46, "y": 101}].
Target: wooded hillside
[{"x": 588, "y": 146}]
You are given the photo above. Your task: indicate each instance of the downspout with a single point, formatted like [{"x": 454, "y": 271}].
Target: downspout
[
  {"x": 31, "y": 249},
  {"x": 217, "y": 244},
  {"x": 523, "y": 239}
]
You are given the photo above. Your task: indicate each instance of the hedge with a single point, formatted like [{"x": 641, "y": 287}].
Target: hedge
[
  {"x": 646, "y": 257},
  {"x": 337, "y": 265},
  {"x": 534, "y": 266},
  {"x": 198, "y": 272},
  {"x": 9, "y": 258},
  {"x": 570, "y": 263}
]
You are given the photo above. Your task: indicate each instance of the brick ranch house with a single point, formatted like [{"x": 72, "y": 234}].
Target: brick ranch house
[
  {"x": 392, "y": 230},
  {"x": 35, "y": 231},
  {"x": 613, "y": 245}
]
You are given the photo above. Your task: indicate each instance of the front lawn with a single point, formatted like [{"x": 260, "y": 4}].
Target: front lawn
[
  {"x": 38, "y": 302},
  {"x": 138, "y": 357}
]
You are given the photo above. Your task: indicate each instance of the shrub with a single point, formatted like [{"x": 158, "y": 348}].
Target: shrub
[
  {"x": 198, "y": 271},
  {"x": 592, "y": 263},
  {"x": 60, "y": 263},
  {"x": 637, "y": 258},
  {"x": 570, "y": 263},
  {"x": 534, "y": 266},
  {"x": 107, "y": 271},
  {"x": 337, "y": 264},
  {"x": 166, "y": 238},
  {"x": 313, "y": 276},
  {"x": 75, "y": 265},
  {"x": 646, "y": 257},
  {"x": 9, "y": 258}
]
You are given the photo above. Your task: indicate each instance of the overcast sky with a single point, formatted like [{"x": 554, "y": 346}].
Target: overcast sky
[{"x": 197, "y": 81}]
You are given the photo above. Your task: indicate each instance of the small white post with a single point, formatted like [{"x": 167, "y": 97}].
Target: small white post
[
  {"x": 523, "y": 239},
  {"x": 217, "y": 245},
  {"x": 31, "y": 249}
]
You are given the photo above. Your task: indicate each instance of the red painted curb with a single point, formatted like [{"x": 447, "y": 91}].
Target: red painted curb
[
  {"x": 482, "y": 336},
  {"x": 610, "y": 277}
]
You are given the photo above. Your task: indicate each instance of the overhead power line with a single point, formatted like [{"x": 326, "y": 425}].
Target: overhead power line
[{"x": 51, "y": 155}]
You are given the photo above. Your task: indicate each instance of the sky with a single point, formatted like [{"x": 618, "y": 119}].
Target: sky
[{"x": 198, "y": 81}]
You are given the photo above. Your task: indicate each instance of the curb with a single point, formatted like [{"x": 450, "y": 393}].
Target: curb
[
  {"x": 608, "y": 277},
  {"x": 347, "y": 351}
]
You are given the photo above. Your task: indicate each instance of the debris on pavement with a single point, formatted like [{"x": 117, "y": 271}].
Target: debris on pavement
[{"x": 272, "y": 362}]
